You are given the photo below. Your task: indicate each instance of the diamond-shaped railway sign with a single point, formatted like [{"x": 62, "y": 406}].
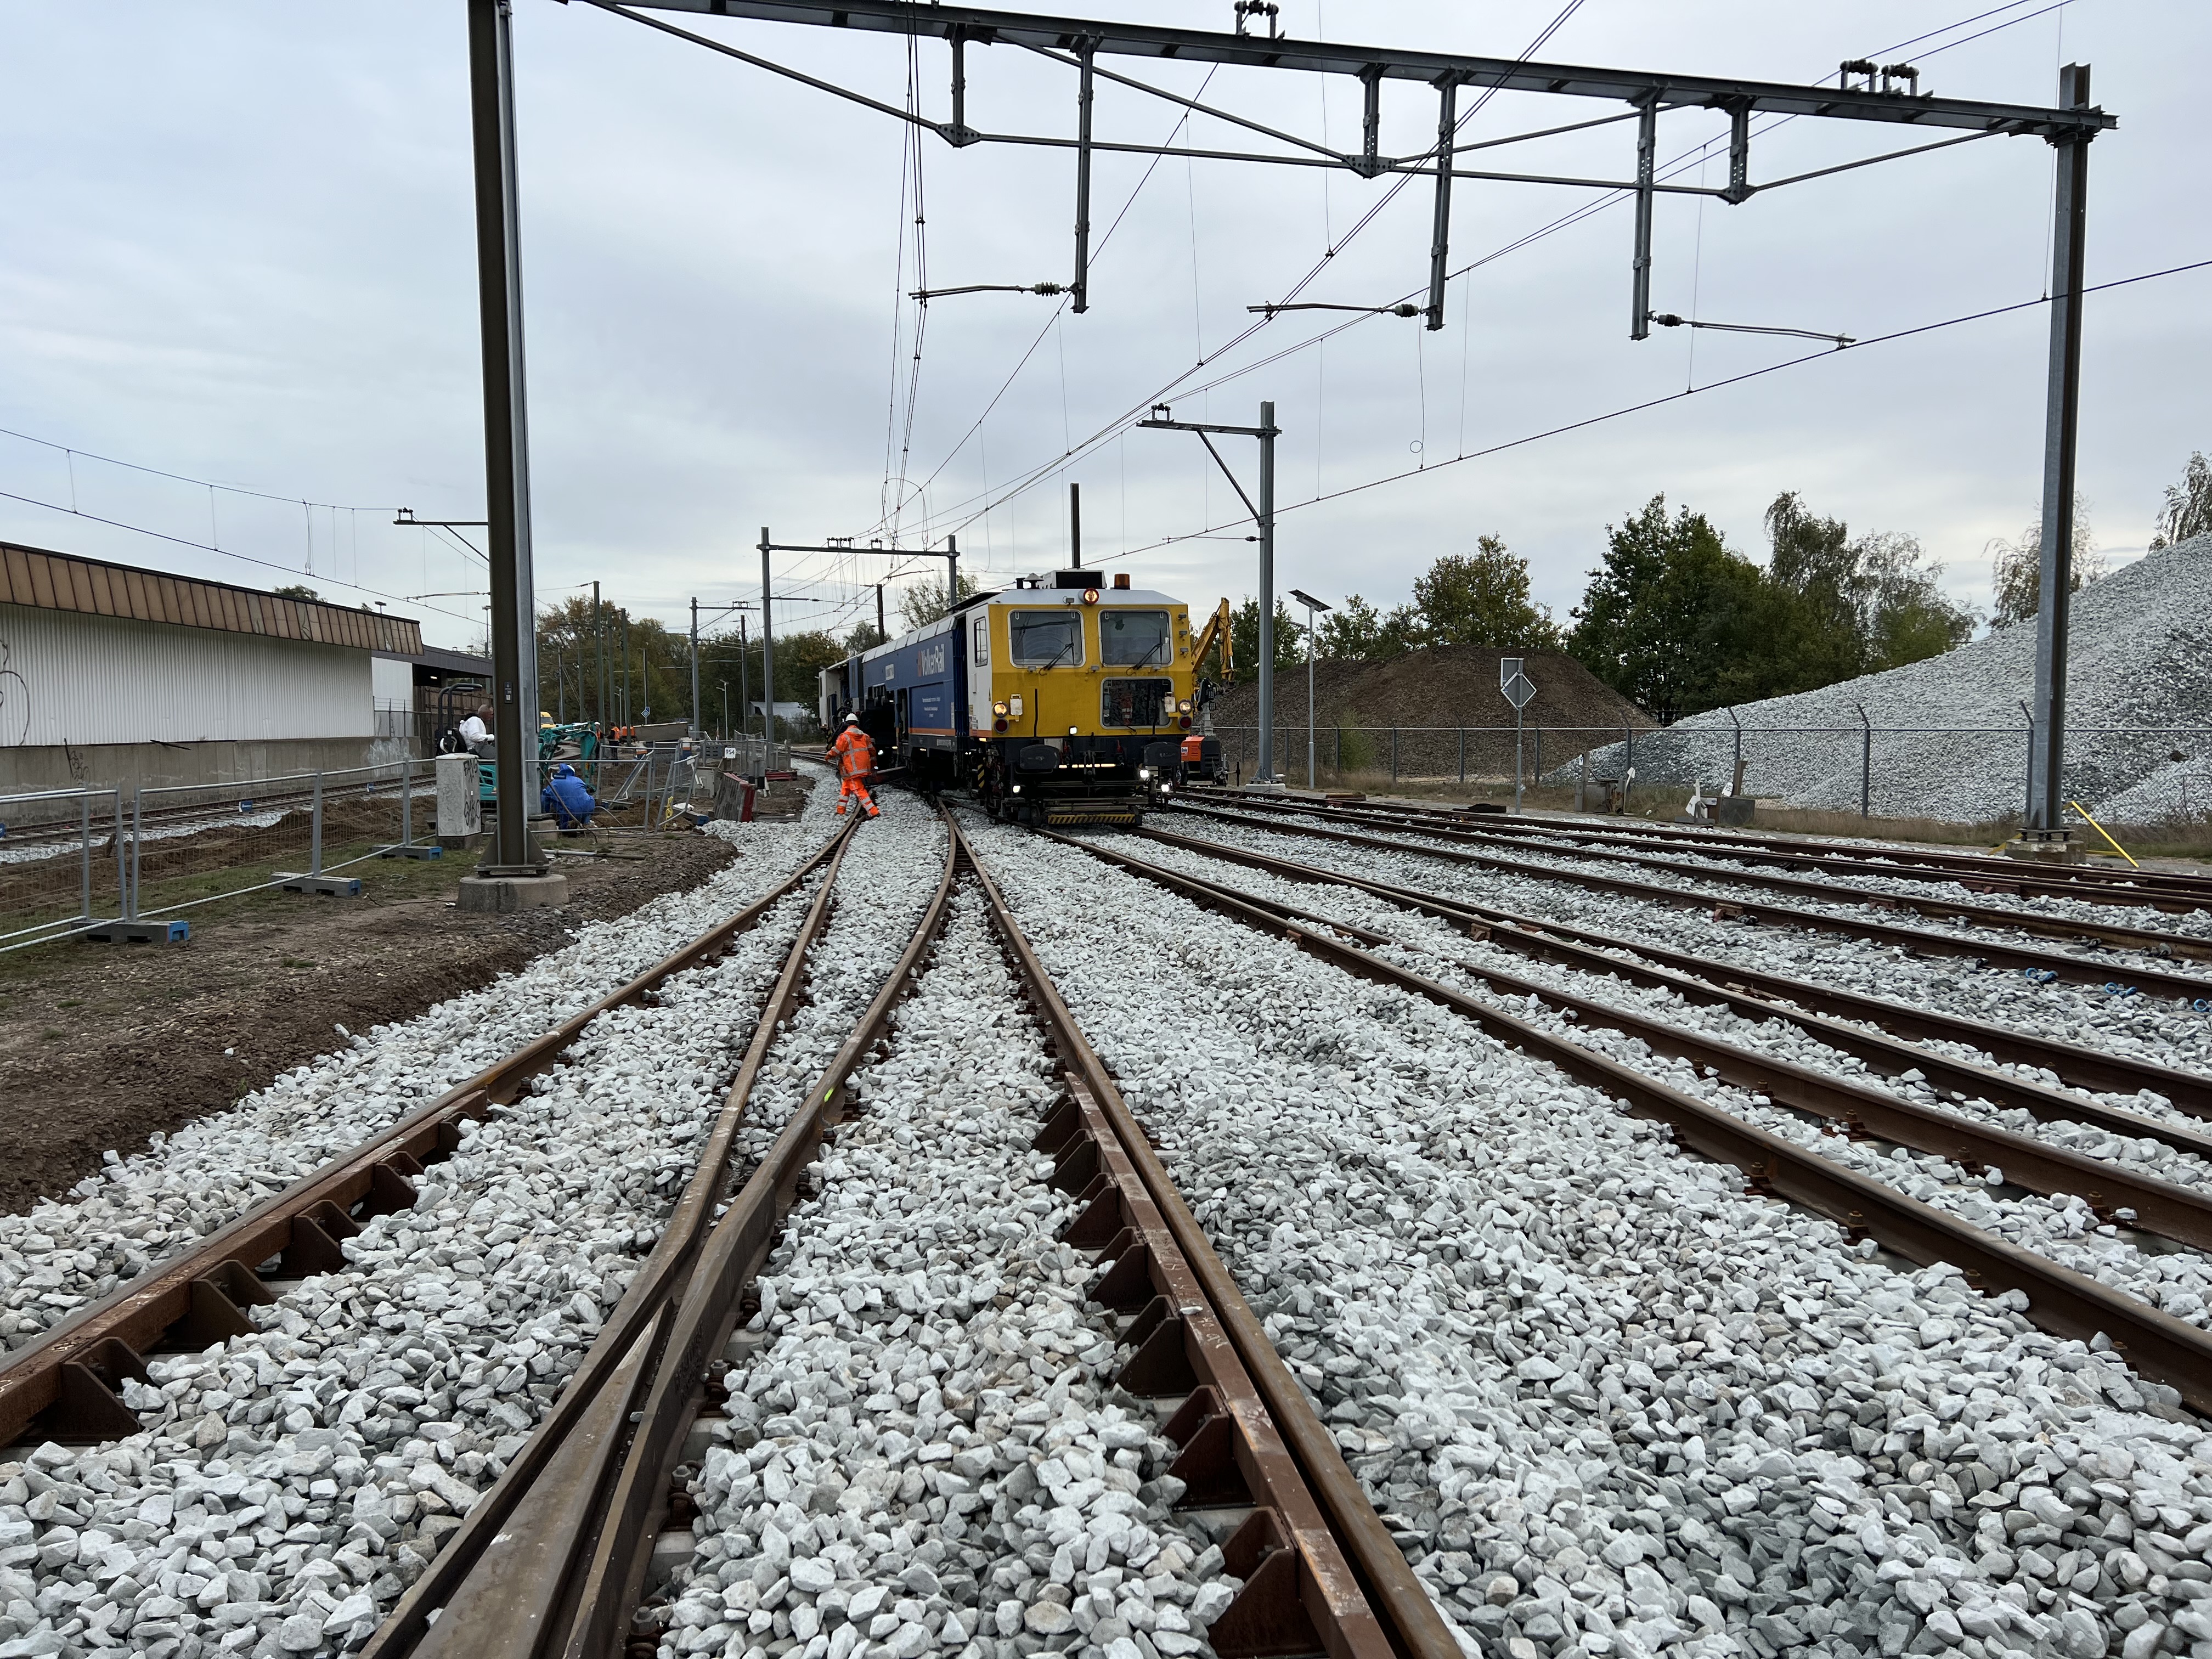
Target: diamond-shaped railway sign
[{"x": 1519, "y": 691}]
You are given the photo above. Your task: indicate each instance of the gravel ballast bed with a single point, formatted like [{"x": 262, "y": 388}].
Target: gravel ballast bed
[
  {"x": 59, "y": 1256},
  {"x": 314, "y": 1467},
  {"x": 924, "y": 1452},
  {"x": 1613, "y": 1403},
  {"x": 1436, "y": 945},
  {"x": 1716, "y": 887},
  {"x": 2137, "y": 1027},
  {"x": 2194, "y": 924}
]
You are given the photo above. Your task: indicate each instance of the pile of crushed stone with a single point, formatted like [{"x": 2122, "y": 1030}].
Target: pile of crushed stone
[{"x": 2141, "y": 659}]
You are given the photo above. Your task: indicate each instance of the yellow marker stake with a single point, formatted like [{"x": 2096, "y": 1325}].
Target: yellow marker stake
[{"x": 2101, "y": 830}]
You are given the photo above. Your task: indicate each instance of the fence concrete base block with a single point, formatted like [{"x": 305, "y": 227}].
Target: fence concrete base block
[
  {"x": 496, "y": 895},
  {"x": 327, "y": 886},
  {"x": 413, "y": 851},
  {"x": 139, "y": 933}
]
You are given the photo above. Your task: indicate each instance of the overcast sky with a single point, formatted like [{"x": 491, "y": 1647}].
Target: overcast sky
[{"x": 239, "y": 248}]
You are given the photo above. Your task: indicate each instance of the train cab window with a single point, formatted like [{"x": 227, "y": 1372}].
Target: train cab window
[
  {"x": 1045, "y": 639},
  {"x": 982, "y": 640},
  {"x": 1132, "y": 639},
  {"x": 1143, "y": 703}
]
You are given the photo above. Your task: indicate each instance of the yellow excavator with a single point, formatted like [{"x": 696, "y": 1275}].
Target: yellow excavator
[{"x": 1202, "y": 750}]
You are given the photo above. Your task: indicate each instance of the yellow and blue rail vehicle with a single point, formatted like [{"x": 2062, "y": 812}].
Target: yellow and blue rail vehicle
[{"x": 1064, "y": 699}]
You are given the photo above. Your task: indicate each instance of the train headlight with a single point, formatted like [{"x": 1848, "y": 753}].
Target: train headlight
[
  {"x": 1017, "y": 789},
  {"x": 1144, "y": 771},
  {"x": 998, "y": 708},
  {"x": 1182, "y": 705},
  {"x": 1091, "y": 595},
  {"x": 1071, "y": 731}
]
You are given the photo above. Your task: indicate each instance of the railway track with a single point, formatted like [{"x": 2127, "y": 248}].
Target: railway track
[
  {"x": 2165, "y": 890},
  {"x": 559, "y": 1553},
  {"x": 1925, "y": 941},
  {"x": 2061, "y": 1301},
  {"x": 2155, "y": 942},
  {"x": 936, "y": 1343},
  {"x": 1834, "y": 1016}
]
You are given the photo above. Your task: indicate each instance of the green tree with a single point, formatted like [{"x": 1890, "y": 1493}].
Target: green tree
[
  {"x": 923, "y": 603},
  {"x": 1351, "y": 633},
  {"x": 2188, "y": 509},
  {"x": 1244, "y": 633},
  {"x": 1814, "y": 636},
  {"x": 1482, "y": 598},
  {"x": 1904, "y": 615},
  {"x": 864, "y": 637},
  {"x": 296, "y": 590},
  {"x": 1669, "y": 617},
  {"x": 2016, "y": 569}
]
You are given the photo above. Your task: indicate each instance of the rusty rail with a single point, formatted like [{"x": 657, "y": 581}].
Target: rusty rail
[
  {"x": 65, "y": 1385},
  {"x": 1923, "y": 940},
  {"x": 2181, "y": 1213},
  {"x": 2173, "y": 891},
  {"x": 506, "y": 1557},
  {"x": 2152, "y": 941},
  {"x": 1195, "y": 1330},
  {"x": 1755, "y": 995},
  {"x": 2161, "y": 889},
  {"x": 2060, "y": 1301},
  {"x": 554, "y": 1560}
]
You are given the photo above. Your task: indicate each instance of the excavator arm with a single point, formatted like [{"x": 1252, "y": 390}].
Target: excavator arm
[{"x": 1215, "y": 631}]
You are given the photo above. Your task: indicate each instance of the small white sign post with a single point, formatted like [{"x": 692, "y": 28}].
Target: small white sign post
[{"x": 1519, "y": 691}]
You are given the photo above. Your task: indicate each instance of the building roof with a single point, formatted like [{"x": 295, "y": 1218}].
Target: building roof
[
  {"x": 443, "y": 661},
  {"x": 62, "y": 581}
]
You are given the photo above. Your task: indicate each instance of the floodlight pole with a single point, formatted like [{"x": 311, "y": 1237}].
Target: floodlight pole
[
  {"x": 2062, "y": 409},
  {"x": 767, "y": 661},
  {"x": 1263, "y": 515},
  {"x": 507, "y": 446},
  {"x": 696, "y": 722},
  {"x": 1311, "y": 604}
]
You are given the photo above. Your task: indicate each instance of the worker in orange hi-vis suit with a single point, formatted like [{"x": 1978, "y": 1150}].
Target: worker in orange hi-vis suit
[{"x": 856, "y": 759}]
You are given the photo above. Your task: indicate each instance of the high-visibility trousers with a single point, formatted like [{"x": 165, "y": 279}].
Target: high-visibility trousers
[{"x": 854, "y": 784}]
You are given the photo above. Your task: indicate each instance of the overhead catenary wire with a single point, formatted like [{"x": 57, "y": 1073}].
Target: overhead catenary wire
[
  {"x": 1675, "y": 166},
  {"x": 245, "y": 558},
  {"x": 1677, "y": 397}
]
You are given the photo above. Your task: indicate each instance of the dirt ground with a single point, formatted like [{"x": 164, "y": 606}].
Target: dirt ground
[{"x": 103, "y": 1045}]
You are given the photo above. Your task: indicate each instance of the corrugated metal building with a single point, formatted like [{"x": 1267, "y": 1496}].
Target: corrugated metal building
[{"x": 111, "y": 674}]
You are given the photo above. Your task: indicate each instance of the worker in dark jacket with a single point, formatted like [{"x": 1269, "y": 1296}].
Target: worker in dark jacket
[{"x": 567, "y": 799}]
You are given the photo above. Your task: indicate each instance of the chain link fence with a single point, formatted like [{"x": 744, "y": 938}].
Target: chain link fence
[{"x": 1869, "y": 768}]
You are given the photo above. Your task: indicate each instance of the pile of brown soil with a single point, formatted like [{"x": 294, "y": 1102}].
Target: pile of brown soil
[{"x": 1430, "y": 696}]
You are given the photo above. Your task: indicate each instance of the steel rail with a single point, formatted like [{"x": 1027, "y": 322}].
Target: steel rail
[
  {"x": 570, "y": 1560},
  {"x": 1219, "y": 1328},
  {"x": 1920, "y": 939},
  {"x": 65, "y": 1384},
  {"x": 2088, "y": 881},
  {"x": 497, "y": 1556},
  {"x": 1756, "y": 995},
  {"x": 2176, "y": 1212},
  {"x": 2062, "y": 1302},
  {"x": 1981, "y": 875},
  {"x": 2150, "y": 941}
]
